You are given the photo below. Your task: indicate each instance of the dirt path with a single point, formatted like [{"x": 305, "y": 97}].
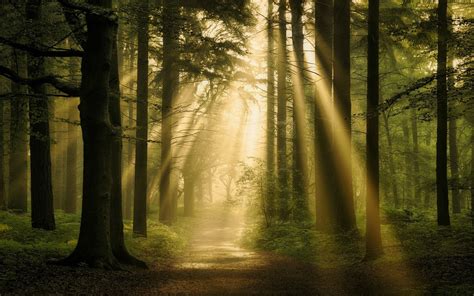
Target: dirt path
[{"x": 215, "y": 264}]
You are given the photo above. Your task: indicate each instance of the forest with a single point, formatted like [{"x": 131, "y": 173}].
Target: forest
[{"x": 236, "y": 147}]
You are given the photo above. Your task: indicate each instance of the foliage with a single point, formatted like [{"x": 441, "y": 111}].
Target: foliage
[{"x": 20, "y": 244}]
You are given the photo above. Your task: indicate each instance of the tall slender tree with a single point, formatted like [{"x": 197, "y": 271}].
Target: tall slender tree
[
  {"x": 3, "y": 201},
  {"x": 282, "y": 114},
  {"x": 300, "y": 212},
  {"x": 373, "y": 235},
  {"x": 141, "y": 156},
  {"x": 170, "y": 90},
  {"x": 323, "y": 104},
  {"x": 18, "y": 163},
  {"x": 270, "y": 207},
  {"x": 42, "y": 209},
  {"x": 442, "y": 118},
  {"x": 344, "y": 201}
]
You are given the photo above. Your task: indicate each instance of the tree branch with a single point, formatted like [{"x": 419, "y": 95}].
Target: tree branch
[
  {"x": 67, "y": 88},
  {"x": 38, "y": 52},
  {"x": 90, "y": 9}
]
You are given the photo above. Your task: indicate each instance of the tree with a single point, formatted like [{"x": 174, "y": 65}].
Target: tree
[
  {"x": 42, "y": 209},
  {"x": 270, "y": 111},
  {"x": 344, "y": 201},
  {"x": 442, "y": 118},
  {"x": 18, "y": 163},
  {"x": 3, "y": 201},
  {"x": 170, "y": 90},
  {"x": 299, "y": 153},
  {"x": 323, "y": 102},
  {"x": 70, "y": 199},
  {"x": 281, "y": 115},
  {"x": 141, "y": 178},
  {"x": 373, "y": 235}
]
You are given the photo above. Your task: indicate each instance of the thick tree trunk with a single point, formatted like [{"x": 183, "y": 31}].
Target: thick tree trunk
[
  {"x": 42, "y": 209},
  {"x": 300, "y": 212},
  {"x": 442, "y": 119},
  {"x": 18, "y": 176},
  {"x": 323, "y": 107},
  {"x": 94, "y": 245},
  {"x": 141, "y": 156},
  {"x": 283, "y": 191},
  {"x": 373, "y": 235},
  {"x": 170, "y": 89},
  {"x": 344, "y": 202},
  {"x": 270, "y": 200},
  {"x": 391, "y": 163}
]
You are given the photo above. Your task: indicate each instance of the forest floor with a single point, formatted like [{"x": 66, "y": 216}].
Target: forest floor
[{"x": 213, "y": 262}]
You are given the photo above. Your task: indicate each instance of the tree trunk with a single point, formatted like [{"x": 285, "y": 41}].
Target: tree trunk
[
  {"x": 42, "y": 209},
  {"x": 344, "y": 202},
  {"x": 281, "y": 115},
  {"x": 116, "y": 215},
  {"x": 170, "y": 89},
  {"x": 188, "y": 196},
  {"x": 323, "y": 109},
  {"x": 391, "y": 163},
  {"x": 453, "y": 151},
  {"x": 270, "y": 199},
  {"x": 300, "y": 212},
  {"x": 18, "y": 177},
  {"x": 415, "y": 159},
  {"x": 407, "y": 198},
  {"x": 3, "y": 201},
  {"x": 70, "y": 199},
  {"x": 94, "y": 244},
  {"x": 472, "y": 175},
  {"x": 130, "y": 175},
  {"x": 442, "y": 119},
  {"x": 373, "y": 235},
  {"x": 141, "y": 156}
]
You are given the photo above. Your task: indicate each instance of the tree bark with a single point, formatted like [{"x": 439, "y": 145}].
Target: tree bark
[
  {"x": 70, "y": 199},
  {"x": 94, "y": 245},
  {"x": 281, "y": 115},
  {"x": 141, "y": 156},
  {"x": 170, "y": 89},
  {"x": 3, "y": 200},
  {"x": 18, "y": 177},
  {"x": 407, "y": 198},
  {"x": 373, "y": 235},
  {"x": 415, "y": 159},
  {"x": 42, "y": 209},
  {"x": 323, "y": 108},
  {"x": 130, "y": 175},
  {"x": 300, "y": 212},
  {"x": 453, "y": 159},
  {"x": 344, "y": 201},
  {"x": 442, "y": 119},
  {"x": 270, "y": 200},
  {"x": 391, "y": 163},
  {"x": 116, "y": 213}
]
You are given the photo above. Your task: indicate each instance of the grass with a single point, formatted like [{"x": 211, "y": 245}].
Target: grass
[
  {"x": 20, "y": 244},
  {"x": 442, "y": 257}
]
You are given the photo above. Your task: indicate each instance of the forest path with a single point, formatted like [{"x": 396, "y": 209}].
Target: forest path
[{"x": 216, "y": 264}]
